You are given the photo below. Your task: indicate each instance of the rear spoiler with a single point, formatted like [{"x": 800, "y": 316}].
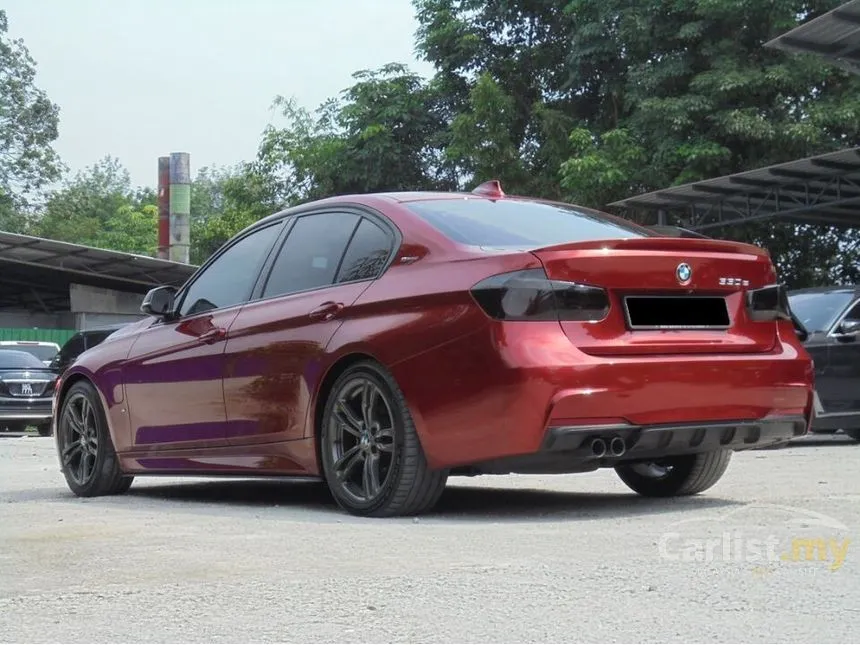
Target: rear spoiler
[{"x": 676, "y": 231}]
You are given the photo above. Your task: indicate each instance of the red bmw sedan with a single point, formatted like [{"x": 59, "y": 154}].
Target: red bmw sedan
[{"x": 384, "y": 342}]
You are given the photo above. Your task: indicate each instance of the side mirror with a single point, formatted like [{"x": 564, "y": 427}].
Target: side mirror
[
  {"x": 849, "y": 329},
  {"x": 159, "y": 302}
]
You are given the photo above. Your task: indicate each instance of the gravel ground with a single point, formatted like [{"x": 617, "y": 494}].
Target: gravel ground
[{"x": 503, "y": 559}]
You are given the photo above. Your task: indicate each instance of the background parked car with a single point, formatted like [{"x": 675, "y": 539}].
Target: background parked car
[
  {"x": 44, "y": 351},
  {"x": 79, "y": 343},
  {"x": 831, "y": 315},
  {"x": 26, "y": 388}
]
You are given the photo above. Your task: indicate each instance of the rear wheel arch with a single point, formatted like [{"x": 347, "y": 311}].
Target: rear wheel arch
[
  {"x": 317, "y": 411},
  {"x": 326, "y": 383},
  {"x": 381, "y": 426}
]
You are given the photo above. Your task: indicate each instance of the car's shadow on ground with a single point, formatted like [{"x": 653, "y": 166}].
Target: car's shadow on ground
[{"x": 460, "y": 503}]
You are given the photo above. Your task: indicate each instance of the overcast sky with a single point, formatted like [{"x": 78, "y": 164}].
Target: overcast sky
[{"x": 137, "y": 79}]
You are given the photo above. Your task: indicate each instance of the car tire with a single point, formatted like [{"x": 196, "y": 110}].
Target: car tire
[
  {"x": 44, "y": 429},
  {"x": 676, "y": 476},
  {"x": 854, "y": 433},
  {"x": 367, "y": 428},
  {"x": 87, "y": 456}
]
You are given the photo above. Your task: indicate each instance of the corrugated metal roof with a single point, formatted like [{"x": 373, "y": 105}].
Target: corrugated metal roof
[
  {"x": 834, "y": 35},
  {"x": 824, "y": 189},
  {"x": 23, "y": 254}
]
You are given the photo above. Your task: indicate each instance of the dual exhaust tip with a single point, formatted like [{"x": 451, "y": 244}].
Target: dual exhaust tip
[{"x": 614, "y": 447}]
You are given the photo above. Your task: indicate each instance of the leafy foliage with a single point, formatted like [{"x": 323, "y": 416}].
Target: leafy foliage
[
  {"x": 223, "y": 202},
  {"x": 648, "y": 94},
  {"x": 28, "y": 127},
  {"x": 381, "y": 134},
  {"x": 100, "y": 208}
]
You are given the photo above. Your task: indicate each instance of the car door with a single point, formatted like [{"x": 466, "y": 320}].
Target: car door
[
  {"x": 843, "y": 380},
  {"x": 173, "y": 375},
  {"x": 275, "y": 348}
]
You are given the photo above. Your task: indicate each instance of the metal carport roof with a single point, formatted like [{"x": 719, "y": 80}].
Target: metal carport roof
[
  {"x": 834, "y": 35},
  {"x": 824, "y": 189},
  {"x": 34, "y": 269}
]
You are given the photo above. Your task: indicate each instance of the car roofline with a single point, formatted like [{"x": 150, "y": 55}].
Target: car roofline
[{"x": 366, "y": 200}]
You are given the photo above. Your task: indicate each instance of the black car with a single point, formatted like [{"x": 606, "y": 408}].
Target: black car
[
  {"x": 831, "y": 316},
  {"x": 26, "y": 391},
  {"x": 79, "y": 343}
]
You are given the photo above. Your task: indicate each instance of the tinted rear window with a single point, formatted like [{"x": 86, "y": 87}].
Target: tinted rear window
[
  {"x": 42, "y": 352},
  {"x": 512, "y": 223},
  {"x": 17, "y": 360}
]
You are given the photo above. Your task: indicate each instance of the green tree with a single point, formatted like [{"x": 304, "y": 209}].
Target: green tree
[
  {"x": 99, "y": 207},
  {"x": 593, "y": 101},
  {"x": 226, "y": 200},
  {"x": 685, "y": 90},
  {"x": 502, "y": 67},
  {"x": 383, "y": 133},
  {"x": 28, "y": 128},
  {"x": 133, "y": 229}
]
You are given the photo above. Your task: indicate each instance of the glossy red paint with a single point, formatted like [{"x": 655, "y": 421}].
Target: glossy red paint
[
  {"x": 275, "y": 360},
  {"x": 239, "y": 390}
]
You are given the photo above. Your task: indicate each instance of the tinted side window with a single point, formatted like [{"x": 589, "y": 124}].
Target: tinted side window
[
  {"x": 366, "y": 254},
  {"x": 854, "y": 314},
  {"x": 311, "y": 253},
  {"x": 229, "y": 279}
]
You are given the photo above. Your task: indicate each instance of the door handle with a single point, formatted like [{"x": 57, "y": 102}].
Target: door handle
[
  {"x": 326, "y": 311},
  {"x": 213, "y": 336}
]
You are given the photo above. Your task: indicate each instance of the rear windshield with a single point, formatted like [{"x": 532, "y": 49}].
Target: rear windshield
[
  {"x": 519, "y": 224},
  {"x": 42, "y": 352},
  {"x": 17, "y": 360}
]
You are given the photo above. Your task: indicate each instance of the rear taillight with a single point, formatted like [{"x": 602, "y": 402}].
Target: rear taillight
[
  {"x": 769, "y": 303},
  {"x": 531, "y": 295}
]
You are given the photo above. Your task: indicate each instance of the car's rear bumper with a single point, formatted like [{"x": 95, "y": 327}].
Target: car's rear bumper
[
  {"x": 519, "y": 389},
  {"x": 584, "y": 448},
  {"x": 646, "y": 442}
]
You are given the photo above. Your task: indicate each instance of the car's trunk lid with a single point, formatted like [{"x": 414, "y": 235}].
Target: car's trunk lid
[{"x": 654, "y": 308}]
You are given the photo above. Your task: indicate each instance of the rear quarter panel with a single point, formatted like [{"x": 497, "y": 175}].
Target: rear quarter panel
[{"x": 416, "y": 309}]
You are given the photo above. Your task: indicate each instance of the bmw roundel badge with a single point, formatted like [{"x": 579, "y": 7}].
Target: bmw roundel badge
[{"x": 684, "y": 273}]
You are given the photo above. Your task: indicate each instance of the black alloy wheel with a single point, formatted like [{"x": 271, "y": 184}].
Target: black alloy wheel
[
  {"x": 87, "y": 456},
  {"x": 81, "y": 439},
  {"x": 371, "y": 455},
  {"x": 362, "y": 432}
]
